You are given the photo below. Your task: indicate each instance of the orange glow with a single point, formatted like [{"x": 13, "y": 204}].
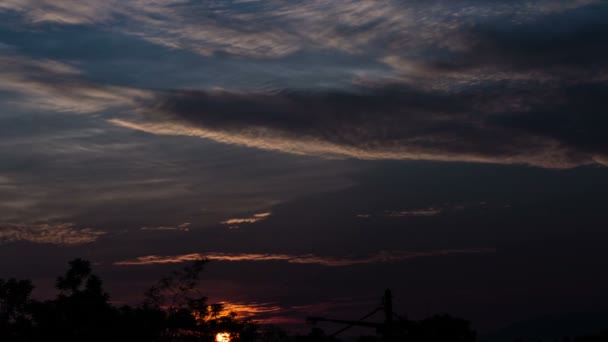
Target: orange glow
[
  {"x": 251, "y": 310},
  {"x": 222, "y": 337}
]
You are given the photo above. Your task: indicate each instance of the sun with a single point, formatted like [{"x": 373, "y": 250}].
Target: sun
[{"x": 222, "y": 337}]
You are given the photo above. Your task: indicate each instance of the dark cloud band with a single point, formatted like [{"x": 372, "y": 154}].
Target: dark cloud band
[{"x": 521, "y": 124}]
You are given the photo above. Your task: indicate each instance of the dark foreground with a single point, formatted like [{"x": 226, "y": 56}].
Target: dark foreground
[{"x": 175, "y": 310}]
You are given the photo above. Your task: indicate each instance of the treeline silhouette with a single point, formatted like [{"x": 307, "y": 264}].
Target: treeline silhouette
[{"x": 173, "y": 310}]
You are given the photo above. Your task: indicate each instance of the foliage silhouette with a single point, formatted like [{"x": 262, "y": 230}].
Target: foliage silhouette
[
  {"x": 174, "y": 310},
  {"x": 14, "y": 315}
]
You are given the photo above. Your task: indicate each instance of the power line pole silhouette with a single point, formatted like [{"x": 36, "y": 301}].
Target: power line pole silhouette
[{"x": 389, "y": 329}]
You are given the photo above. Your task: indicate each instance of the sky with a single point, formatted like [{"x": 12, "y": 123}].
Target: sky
[{"x": 317, "y": 152}]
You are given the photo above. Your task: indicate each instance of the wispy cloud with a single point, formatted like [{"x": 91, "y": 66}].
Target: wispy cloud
[
  {"x": 415, "y": 212},
  {"x": 253, "y": 219},
  {"x": 182, "y": 227},
  {"x": 443, "y": 102},
  {"x": 58, "y": 86},
  {"x": 547, "y": 153},
  {"x": 329, "y": 261},
  {"x": 48, "y": 233},
  {"x": 62, "y": 11},
  {"x": 434, "y": 210},
  {"x": 271, "y": 29},
  {"x": 260, "y": 311},
  {"x": 489, "y": 125},
  {"x": 423, "y": 212}
]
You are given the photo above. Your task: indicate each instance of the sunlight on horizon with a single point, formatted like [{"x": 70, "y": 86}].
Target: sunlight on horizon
[{"x": 222, "y": 337}]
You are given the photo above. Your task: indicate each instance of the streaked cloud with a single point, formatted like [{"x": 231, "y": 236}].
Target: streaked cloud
[
  {"x": 488, "y": 125},
  {"x": 415, "y": 212},
  {"x": 57, "y": 86},
  {"x": 253, "y": 310},
  {"x": 281, "y": 28},
  {"x": 421, "y": 212},
  {"x": 162, "y": 182},
  {"x": 380, "y": 257},
  {"x": 62, "y": 11},
  {"x": 547, "y": 153},
  {"x": 263, "y": 312},
  {"x": 446, "y": 208},
  {"x": 182, "y": 227},
  {"x": 48, "y": 233},
  {"x": 489, "y": 96},
  {"x": 253, "y": 219}
]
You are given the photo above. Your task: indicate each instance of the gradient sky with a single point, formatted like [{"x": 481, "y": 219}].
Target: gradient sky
[{"x": 316, "y": 151}]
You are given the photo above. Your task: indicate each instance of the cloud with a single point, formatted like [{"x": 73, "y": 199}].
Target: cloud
[
  {"x": 273, "y": 29},
  {"x": 437, "y": 43},
  {"x": 48, "y": 233},
  {"x": 62, "y": 11},
  {"x": 423, "y": 212},
  {"x": 434, "y": 210},
  {"x": 252, "y": 309},
  {"x": 160, "y": 181},
  {"x": 253, "y": 219},
  {"x": 490, "y": 124},
  {"x": 528, "y": 91},
  {"x": 562, "y": 44},
  {"x": 182, "y": 227},
  {"x": 57, "y": 86},
  {"x": 415, "y": 212},
  {"x": 381, "y": 257},
  {"x": 274, "y": 313},
  {"x": 526, "y": 87}
]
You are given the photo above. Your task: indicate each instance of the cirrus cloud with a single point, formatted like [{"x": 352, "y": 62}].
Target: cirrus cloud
[
  {"x": 48, "y": 233},
  {"x": 282, "y": 28},
  {"x": 253, "y": 219},
  {"x": 329, "y": 261},
  {"x": 52, "y": 85}
]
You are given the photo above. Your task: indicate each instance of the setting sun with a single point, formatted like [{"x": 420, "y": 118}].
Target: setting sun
[{"x": 222, "y": 337}]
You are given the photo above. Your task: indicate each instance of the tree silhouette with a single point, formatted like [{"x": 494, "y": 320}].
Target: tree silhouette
[
  {"x": 189, "y": 316},
  {"x": 174, "y": 310},
  {"x": 14, "y": 302},
  {"x": 81, "y": 310},
  {"x": 178, "y": 289}
]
